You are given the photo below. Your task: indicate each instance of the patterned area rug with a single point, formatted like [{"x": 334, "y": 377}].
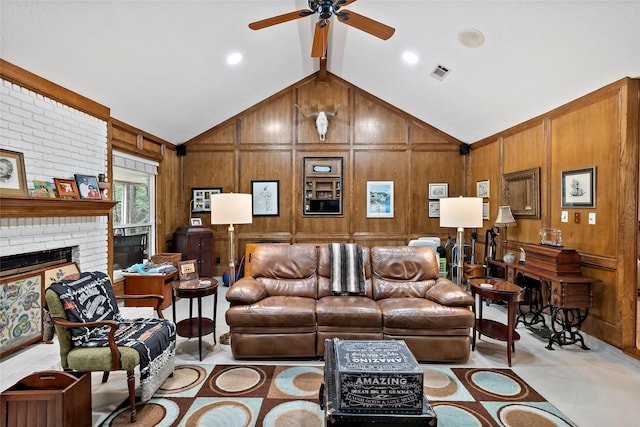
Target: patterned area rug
[{"x": 277, "y": 396}]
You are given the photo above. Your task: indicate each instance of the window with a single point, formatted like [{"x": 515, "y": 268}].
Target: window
[{"x": 134, "y": 215}]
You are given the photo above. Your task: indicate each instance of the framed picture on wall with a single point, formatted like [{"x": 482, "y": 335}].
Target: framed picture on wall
[
  {"x": 438, "y": 190},
  {"x": 579, "y": 188},
  {"x": 434, "y": 209},
  {"x": 265, "y": 198},
  {"x": 379, "y": 199},
  {"x": 201, "y": 198},
  {"x": 485, "y": 211},
  {"x": 13, "y": 179},
  {"x": 482, "y": 189}
]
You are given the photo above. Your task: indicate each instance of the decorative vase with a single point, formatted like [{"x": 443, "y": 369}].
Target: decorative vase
[{"x": 509, "y": 257}]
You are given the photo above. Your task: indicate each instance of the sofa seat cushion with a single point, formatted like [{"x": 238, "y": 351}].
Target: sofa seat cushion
[
  {"x": 421, "y": 313},
  {"x": 274, "y": 312},
  {"x": 348, "y": 311}
]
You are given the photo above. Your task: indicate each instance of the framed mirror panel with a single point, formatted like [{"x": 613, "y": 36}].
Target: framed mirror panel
[{"x": 521, "y": 191}]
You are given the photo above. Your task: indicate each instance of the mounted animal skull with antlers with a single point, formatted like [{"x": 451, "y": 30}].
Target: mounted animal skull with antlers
[{"x": 322, "y": 120}]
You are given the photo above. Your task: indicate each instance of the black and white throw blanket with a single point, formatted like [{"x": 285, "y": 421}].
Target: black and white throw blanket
[
  {"x": 90, "y": 298},
  {"x": 347, "y": 269}
]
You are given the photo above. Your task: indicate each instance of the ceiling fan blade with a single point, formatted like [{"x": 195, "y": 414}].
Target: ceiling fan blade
[
  {"x": 320, "y": 39},
  {"x": 341, "y": 3},
  {"x": 258, "y": 25},
  {"x": 368, "y": 25}
]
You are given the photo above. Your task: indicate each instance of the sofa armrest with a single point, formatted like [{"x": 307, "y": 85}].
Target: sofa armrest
[
  {"x": 447, "y": 293},
  {"x": 246, "y": 291}
]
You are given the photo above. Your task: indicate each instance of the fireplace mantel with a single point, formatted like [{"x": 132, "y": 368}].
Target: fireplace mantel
[{"x": 32, "y": 207}]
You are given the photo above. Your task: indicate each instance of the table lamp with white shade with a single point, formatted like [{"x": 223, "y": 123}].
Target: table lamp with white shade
[
  {"x": 231, "y": 208},
  {"x": 460, "y": 213},
  {"x": 505, "y": 218}
]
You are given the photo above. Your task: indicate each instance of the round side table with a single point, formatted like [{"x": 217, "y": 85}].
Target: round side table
[
  {"x": 196, "y": 326},
  {"x": 496, "y": 290}
]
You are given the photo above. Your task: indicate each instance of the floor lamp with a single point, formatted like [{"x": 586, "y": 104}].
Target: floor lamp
[
  {"x": 505, "y": 218},
  {"x": 231, "y": 208},
  {"x": 460, "y": 212}
]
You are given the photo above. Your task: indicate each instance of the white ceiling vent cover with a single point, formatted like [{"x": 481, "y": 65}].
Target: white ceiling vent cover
[{"x": 440, "y": 72}]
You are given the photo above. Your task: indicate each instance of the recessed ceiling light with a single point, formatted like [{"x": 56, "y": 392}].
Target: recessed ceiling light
[
  {"x": 234, "y": 58},
  {"x": 471, "y": 37},
  {"x": 410, "y": 57}
]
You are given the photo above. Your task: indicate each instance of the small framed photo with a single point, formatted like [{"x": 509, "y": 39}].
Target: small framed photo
[
  {"x": 438, "y": 190},
  {"x": 67, "y": 188},
  {"x": 379, "y": 199},
  {"x": 434, "y": 209},
  {"x": 482, "y": 189},
  {"x": 579, "y": 188},
  {"x": 485, "y": 211},
  {"x": 201, "y": 198},
  {"x": 13, "y": 179},
  {"x": 44, "y": 189},
  {"x": 266, "y": 198},
  {"x": 196, "y": 222},
  {"x": 88, "y": 187},
  {"x": 188, "y": 270}
]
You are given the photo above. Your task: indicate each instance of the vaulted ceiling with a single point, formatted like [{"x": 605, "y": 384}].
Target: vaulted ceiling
[{"x": 161, "y": 65}]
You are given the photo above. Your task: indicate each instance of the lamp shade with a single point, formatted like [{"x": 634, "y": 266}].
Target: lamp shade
[
  {"x": 505, "y": 217},
  {"x": 465, "y": 212},
  {"x": 231, "y": 208}
]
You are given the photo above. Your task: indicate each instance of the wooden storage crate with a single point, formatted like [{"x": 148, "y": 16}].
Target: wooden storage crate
[
  {"x": 48, "y": 399},
  {"x": 161, "y": 258}
]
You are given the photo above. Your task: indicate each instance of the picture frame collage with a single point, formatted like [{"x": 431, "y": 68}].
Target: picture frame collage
[
  {"x": 13, "y": 181},
  {"x": 436, "y": 191}
]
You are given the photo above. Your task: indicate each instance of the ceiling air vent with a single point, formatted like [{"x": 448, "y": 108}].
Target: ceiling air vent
[{"x": 440, "y": 72}]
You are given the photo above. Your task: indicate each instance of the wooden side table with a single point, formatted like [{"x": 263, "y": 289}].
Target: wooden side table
[
  {"x": 496, "y": 290},
  {"x": 196, "y": 326}
]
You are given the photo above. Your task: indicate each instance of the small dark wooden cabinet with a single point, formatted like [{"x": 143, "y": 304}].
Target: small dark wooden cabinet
[{"x": 196, "y": 243}]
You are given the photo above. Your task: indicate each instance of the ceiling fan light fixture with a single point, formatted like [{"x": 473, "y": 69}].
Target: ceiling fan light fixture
[
  {"x": 440, "y": 72},
  {"x": 471, "y": 38}
]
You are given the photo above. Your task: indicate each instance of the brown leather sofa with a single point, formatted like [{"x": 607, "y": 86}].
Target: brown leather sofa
[{"x": 287, "y": 309}]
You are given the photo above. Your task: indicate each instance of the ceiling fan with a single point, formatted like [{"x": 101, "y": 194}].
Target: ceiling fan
[{"x": 325, "y": 10}]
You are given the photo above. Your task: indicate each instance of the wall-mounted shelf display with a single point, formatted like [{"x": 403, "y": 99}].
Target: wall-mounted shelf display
[{"x": 322, "y": 183}]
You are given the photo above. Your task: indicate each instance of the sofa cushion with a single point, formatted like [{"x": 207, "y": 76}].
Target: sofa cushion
[
  {"x": 274, "y": 311},
  {"x": 348, "y": 311},
  {"x": 403, "y": 271},
  {"x": 409, "y": 263},
  {"x": 419, "y": 313},
  {"x": 286, "y": 269}
]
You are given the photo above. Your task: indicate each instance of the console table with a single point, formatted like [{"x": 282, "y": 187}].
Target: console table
[{"x": 570, "y": 294}]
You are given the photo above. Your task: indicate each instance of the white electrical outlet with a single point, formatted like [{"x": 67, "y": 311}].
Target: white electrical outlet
[
  {"x": 592, "y": 217},
  {"x": 564, "y": 216}
]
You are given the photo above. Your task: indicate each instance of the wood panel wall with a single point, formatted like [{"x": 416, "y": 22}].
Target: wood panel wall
[
  {"x": 601, "y": 130},
  {"x": 377, "y": 142}
]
